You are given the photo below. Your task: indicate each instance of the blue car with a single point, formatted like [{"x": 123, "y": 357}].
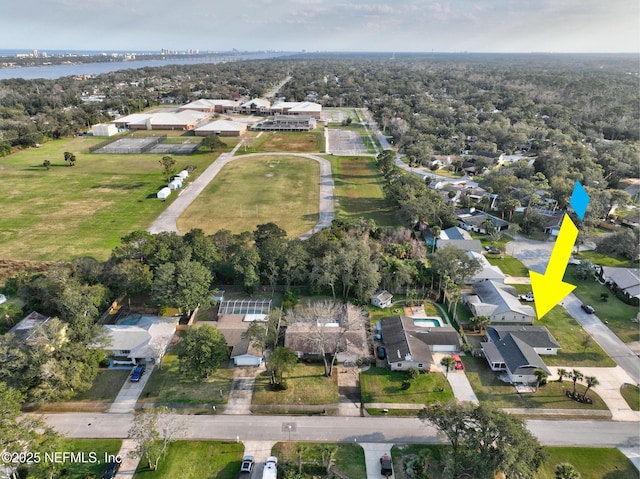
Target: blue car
[{"x": 137, "y": 373}]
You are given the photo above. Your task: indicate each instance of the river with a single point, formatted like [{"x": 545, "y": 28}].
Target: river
[{"x": 51, "y": 72}]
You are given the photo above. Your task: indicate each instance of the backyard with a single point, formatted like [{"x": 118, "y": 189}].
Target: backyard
[
  {"x": 196, "y": 460},
  {"x": 358, "y": 189},
  {"x": 257, "y": 190},
  {"x": 306, "y": 386},
  {"x": 104, "y": 198},
  {"x": 168, "y": 386}
]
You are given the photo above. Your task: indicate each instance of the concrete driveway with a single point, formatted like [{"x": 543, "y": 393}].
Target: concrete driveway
[
  {"x": 373, "y": 451},
  {"x": 125, "y": 401}
]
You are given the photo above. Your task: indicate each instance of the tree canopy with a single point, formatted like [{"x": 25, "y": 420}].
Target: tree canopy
[{"x": 201, "y": 351}]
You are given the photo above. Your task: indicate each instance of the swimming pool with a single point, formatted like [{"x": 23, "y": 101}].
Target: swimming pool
[
  {"x": 427, "y": 322},
  {"x": 130, "y": 320}
]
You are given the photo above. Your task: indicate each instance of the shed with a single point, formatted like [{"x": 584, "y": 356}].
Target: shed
[
  {"x": 104, "y": 129},
  {"x": 164, "y": 193},
  {"x": 183, "y": 174}
]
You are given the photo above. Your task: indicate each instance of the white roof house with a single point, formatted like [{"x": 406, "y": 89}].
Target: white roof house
[
  {"x": 487, "y": 270},
  {"x": 146, "y": 340},
  {"x": 222, "y": 128},
  {"x": 171, "y": 120},
  {"x": 210, "y": 105},
  {"x": 499, "y": 303}
]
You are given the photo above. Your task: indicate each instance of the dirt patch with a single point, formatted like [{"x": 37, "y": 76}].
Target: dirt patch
[{"x": 9, "y": 267}]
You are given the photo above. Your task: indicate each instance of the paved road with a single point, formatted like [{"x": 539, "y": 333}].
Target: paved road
[
  {"x": 167, "y": 219},
  {"x": 341, "y": 429},
  {"x": 535, "y": 256}
]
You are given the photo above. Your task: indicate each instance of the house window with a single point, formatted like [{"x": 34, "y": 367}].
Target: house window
[
  {"x": 125, "y": 351},
  {"x": 420, "y": 366},
  {"x": 399, "y": 365}
]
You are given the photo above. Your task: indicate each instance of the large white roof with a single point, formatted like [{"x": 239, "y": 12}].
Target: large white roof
[{"x": 222, "y": 125}]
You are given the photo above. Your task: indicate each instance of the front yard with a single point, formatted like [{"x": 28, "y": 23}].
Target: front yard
[
  {"x": 621, "y": 317},
  {"x": 169, "y": 386},
  {"x": 307, "y": 386},
  {"x": 196, "y": 460},
  {"x": 381, "y": 385},
  {"x": 348, "y": 459},
  {"x": 488, "y": 387}
]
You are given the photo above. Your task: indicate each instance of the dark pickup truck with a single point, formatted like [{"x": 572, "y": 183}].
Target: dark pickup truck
[{"x": 385, "y": 466}]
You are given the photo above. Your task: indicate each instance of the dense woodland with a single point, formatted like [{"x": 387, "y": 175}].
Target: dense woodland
[{"x": 577, "y": 115}]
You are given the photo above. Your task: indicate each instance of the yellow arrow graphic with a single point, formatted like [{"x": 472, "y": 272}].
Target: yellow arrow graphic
[{"x": 549, "y": 289}]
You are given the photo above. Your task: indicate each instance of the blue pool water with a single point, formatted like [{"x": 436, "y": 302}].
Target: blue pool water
[
  {"x": 131, "y": 320},
  {"x": 427, "y": 322}
]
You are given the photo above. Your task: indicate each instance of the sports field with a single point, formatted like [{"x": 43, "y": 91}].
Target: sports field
[
  {"x": 83, "y": 210},
  {"x": 294, "y": 142},
  {"x": 252, "y": 191}
]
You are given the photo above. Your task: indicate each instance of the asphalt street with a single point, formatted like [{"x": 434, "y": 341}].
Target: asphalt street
[{"x": 397, "y": 430}]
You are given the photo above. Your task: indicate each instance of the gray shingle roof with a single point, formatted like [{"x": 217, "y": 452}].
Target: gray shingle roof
[{"x": 534, "y": 336}]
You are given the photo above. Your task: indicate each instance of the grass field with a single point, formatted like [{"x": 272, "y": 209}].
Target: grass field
[
  {"x": 348, "y": 461},
  {"x": 508, "y": 265},
  {"x": 578, "y": 349},
  {"x": 252, "y": 191},
  {"x": 617, "y": 313},
  {"x": 84, "y": 210},
  {"x": 105, "y": 387},
  {"x": 358, "y": 185},
  {"x": 591, "y": 463},
  {"x": 631, "y": 394},
  {"x": 197, "y": 460},
  {"x": 293, "y": 142},
  {"x": 80, "y": 470},
  {"x": 307, "y": 385},
  {"x": 489, "y": 388},
  {"x": 381, "y": 385},
  {"x": 170, "y": 386}
]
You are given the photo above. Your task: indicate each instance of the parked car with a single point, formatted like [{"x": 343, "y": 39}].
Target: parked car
[
  {"x": 137, "y": 373},
  {"x": 381, "y": 352},
  {"x": 527, "y": 297},
  {"x": 588, "y": 309},
  {"x": 247, "y": 464},
  {"x": 458, "y": 361},
  {"x": 112, "y": 470},
  {"x": 386, "y": 469}
]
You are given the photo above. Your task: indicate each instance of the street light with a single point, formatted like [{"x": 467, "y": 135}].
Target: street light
[{"x": 289, "y": 427}]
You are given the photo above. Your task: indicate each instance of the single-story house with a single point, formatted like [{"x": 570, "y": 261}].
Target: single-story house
[
  {"x": 499, "y": 303},
  {"x": 516, "y": 350},
  {"x": 625, "y": 280},
  {"x": 459, "y": 238},
  {"x": 410, "y": 345},
  {"x": 552, "y": 223},
  {"x": 147, "y": 340},
  {"x": 104, "y": 129},
  {"x": 487, "y": 271},
  {"x": 382, "y": 299},
  {"x": 474, "y": 220},
  {"x": 345, "y": 333},
  {"x": 245, "y": 353},
  {"x": 221, "y": 128}
]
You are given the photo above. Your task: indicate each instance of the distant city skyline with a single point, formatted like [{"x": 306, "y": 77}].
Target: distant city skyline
[{"x": 580, "y": 26}]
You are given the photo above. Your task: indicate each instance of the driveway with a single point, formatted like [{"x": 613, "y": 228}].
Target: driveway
[
  {"x": 166, "y": 221},
  {"x": 125, "y": 401},
  {"x": 244, "y": 379},
  {"x": 373, "y": 451}
]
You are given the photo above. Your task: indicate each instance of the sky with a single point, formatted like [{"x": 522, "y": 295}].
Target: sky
[{"x": 323, "y": 25}]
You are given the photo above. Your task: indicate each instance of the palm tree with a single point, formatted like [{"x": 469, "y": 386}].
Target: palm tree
[
  {"x": 575, "y": 377},
  {"x": 541, "y": 376},
  {"x": 566, "y": 471},
  {"x": 562, "y": 373},
  {"x": 449, "y": 363},
  {"x": 481, "y": 322},
  {"x": 592, "y": 381}
]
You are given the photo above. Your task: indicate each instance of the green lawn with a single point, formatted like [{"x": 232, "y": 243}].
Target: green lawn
[
  {"x": 358, "y": 188},
  {"x": 68, "y": 212},
  {"x": 381, "y": 385},
  {"x": 257, "y": 190},
  {"x": 105, "y": 387},
  {"x": 196, "y": 460},
  {"x": 590, "y": 462},
  {"x": 604, "y": 259},
  {"x": 348, "y": 461},
  {"x": 99, "y": 447},
  {"x": 301, "y": 142},
  {"x": 617, "y": 313},
  {"x": 631, "y": 394},
  {"x": 170, "y": 386},
  {"x": 489, "y": 388},
  {"x": 578, "y": 349},
  {"x": 508, "y": 264},
  {"x": 307, "y": 385}
]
